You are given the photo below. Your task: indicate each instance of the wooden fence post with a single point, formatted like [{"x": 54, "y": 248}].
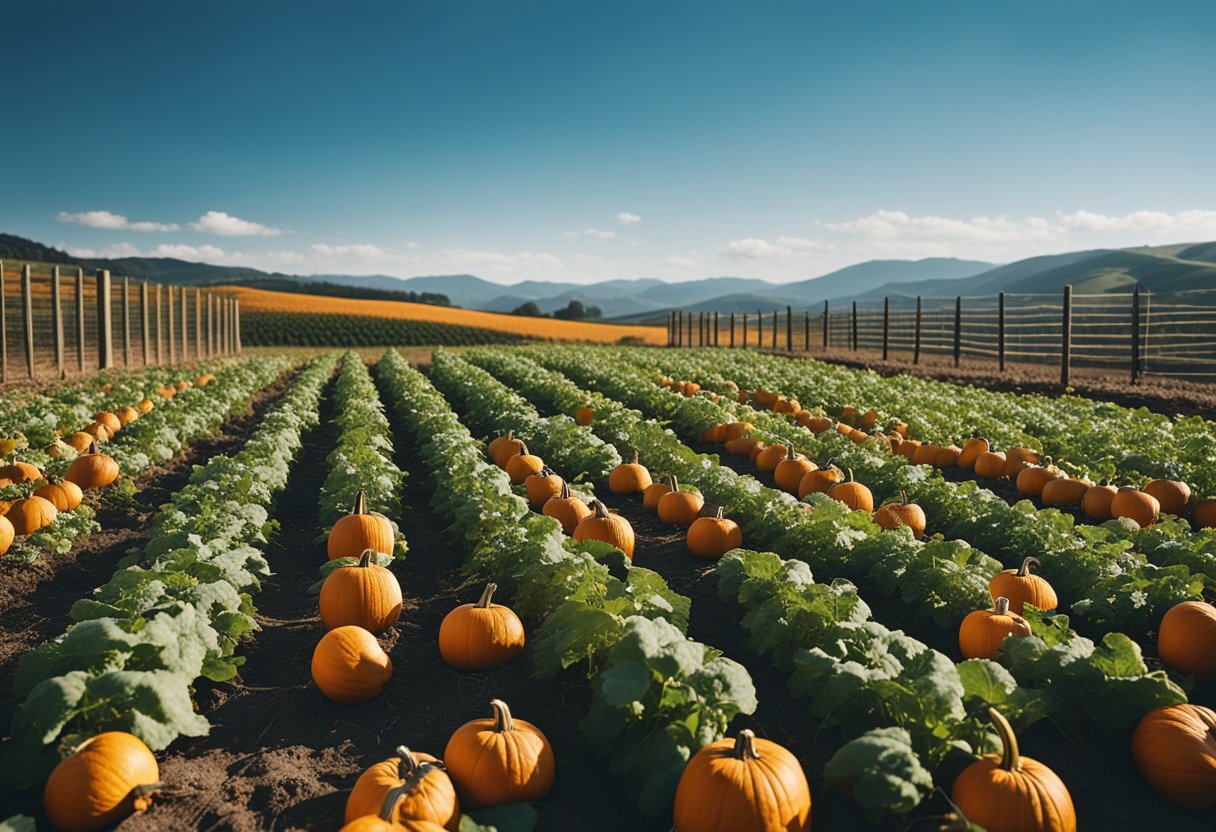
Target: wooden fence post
[
  {"x": 185, "y": 327},
  {"x": 1000, "y": 331},
  {"x": 160, "y": 343},
  {"x": 679, "y": 328},
  {"x": 774, "y": 330},
  {"x": 732, "y": 330},
  {"x": 27, "y": 317},
  {"x": 744, "y": 330},
  {"x": 1136, "y": 335},
  {"x": 806, "y": 328},
  {"x": 172, "y": 330},
  {"x": 210, "y": 325},
  {"x": 886, "y": 325},
  {"x": 80, "y": 319},
  {"x": 199, "y": 343},
  {"x": 916, "y": 337},
  {"x": 1066, "y": 342},
  {"x": 126, "y": 321},
  {"x": 236, "y": 317},
  {"x": 671, "y": 327},
  {"x": 854, "y": 327},
  {"x": 717, "y": 329},
  {"x": 759, "y": 330},
  {"x": 146, "y": 316},
  {"x": 105, "y": 335},
  {"x": 827, "y": 328},
  {"x": 958, "y": 328},
  {"x": 57, "y": 308},
  {"x": 789, "y": 329}
]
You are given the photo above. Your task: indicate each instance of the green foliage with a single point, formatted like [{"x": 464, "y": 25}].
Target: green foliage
[{"x": 318, "y": 329}]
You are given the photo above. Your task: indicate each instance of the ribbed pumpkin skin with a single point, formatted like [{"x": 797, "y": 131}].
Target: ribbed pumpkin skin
[
  {"x": 769, "y": 458},
  {"x": 854, "y": 495},
  {"x": 1171, "y": 495},
  {"x": 541, "y": 486},
  {"x": 718, "y": 792},
  {"x": 1137, "y": 506},
  {"x": 365, "y": 596},
  {"x": 1186, "y": 640},
  {"x": 93, "y": 470},
  {"x": 629, "y": 478},
  {"x": 1021, "y": 590},
  {"x": 983, "y": 631},
  {"x": 79, "y": 440},
  {"x": 1031, "y": 799},
  {"x": 972, "y": 448},
  {"x": 433, "y": 799},
  {"x": 349, "y": 666},
  {"x": 1064, "y": 492},
  {"x": 713, "y": 537},
  {"x": 1097, "y": 502},
  {"x": 7, "y": 533},
  {"x": 127, "y": 415},
  {"x": 894, "y": 515},
  {"x": 110, "y": 420},
  {"x": 926, "y": 454},
  {"x": 64, "y": 496},
  {"x": 1175, "y": 750},
  {"x": 680, "y": 507},
  {"x": 1016, "y": 459},
  {"x": 989, "y": 464},
  {"x": 373, "y": 823},
  {"x": 1033, "y": 479},
  {"x": 653, "y": 493},
  {"x": 611, "y": 528},
  {"x": 474, "y": 637},
  {"x": 523, "y": 465},
  {"x": 20, "y": 472},
  {"x": 820, "y": 481},
  {"x": 492, "y": 767},
  {"x": 790, "y": 471},
  {"x": 31, "y": 514},
  {"x": 359, "y": 531},
  {"x": 503, "y": 448},
  {"x": 93, "y": 787}
]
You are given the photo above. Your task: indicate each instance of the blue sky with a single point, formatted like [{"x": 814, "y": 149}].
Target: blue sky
[{"x": 578, "y": 141}]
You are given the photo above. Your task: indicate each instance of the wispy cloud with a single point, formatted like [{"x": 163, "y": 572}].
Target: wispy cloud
[
  {"x": 113, "y": 222},
  {"x": 226, "y": 225},
  {"x": 626, "y": 218},
  {"x": 758, "y": 248},
  {"x": 362, "y": 250},
  {"x": 591, "y": 232},
  {"x": 474, "y": 257}
]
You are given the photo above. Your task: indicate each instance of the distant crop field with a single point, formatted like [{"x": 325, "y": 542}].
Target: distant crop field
[{"x": 262, "y": 301}]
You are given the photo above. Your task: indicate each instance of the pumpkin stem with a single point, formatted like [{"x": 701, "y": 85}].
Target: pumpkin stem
[
  {"x": 523, "y": 449},
  {"x": 903, "y": 497},
  {"x": 388, "y": 807},
  {"x": 407, "y": 763},
  {"x": 502, "y": 716},
  {"x": 545, "y": 471},
  {"x": 483, "y": 603},
  {"x": 565, "y": 490},
  {"x": 92, "y": 448},
  {"x": 601, "y": 510},
  {"x": 673, "y": 483},
  {"x": 850, "y": 470},
  {"x": 147, "y": 788},
  {"x": 718, "y": 515},
  {"x": 635, "y": 457},
  {"x": 1010, "y": 759},
  {"x": 365, "y": 559},
  {"x": 360, "y": 506},
  {"x": 745, "y": 743},
  {"x": 1002, "y": 606},
  {"x": 790, "y": 453},
  {"x": 1024, "y": 569}
]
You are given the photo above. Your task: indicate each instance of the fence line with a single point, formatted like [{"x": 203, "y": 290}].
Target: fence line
[{"x": 1140, "y": 332}]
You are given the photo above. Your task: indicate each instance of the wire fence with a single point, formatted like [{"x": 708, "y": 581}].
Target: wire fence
[
  {"x": 1140, "y": 332},
  {"x": 60, "y": 322}
]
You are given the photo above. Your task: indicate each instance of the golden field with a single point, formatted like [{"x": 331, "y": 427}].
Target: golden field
[{"x": 262, "y": 300}]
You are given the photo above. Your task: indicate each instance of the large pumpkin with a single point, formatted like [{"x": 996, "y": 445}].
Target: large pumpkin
[
  {"x": 680, "y": 507},
  {"x": 713, "y": 537},
  {"x": 1175, "y": 750},
  {"x": 481, "y": 635},
  {"x": 853, "y": 494},
  {"x": 983, "y": 631},
  {"x": 989, "y": 464},
  {"x": 567, "y": 510},
  {"x": 523, "y": 465},
  {"x": 104, "y": 780},
  {"x": 499, "y": 760},
  {"x": 902, "y": 513},
  {"x": 64, "y": 496},
  {"x": 93, "y": 470},
  {"x": 1186, "y": 640},
  {"x": 503, "y": 448},
  {"x": 1066, "y": 491},
  {"x": 359, "y": 531},
  {"x": 1135, "y": 505},
  {"x": 1172, "y": 495},
  {"x": 790, "y": 471},
  {"x": 427, "y": 791},
  {"x": 972, "y": 448},
  {"x": 655, "y": 491},
  {"x": 610, "y": 528},
  {"x": 349, "y": 666},
  {"x": 383, "y": 821},
  {"x": 542, "y": 485},
  {"x": 366, "y": 595},
  {"x": 742, "y": 785},
  {"x": 1097, "y": 500},
  {"x": 1012, "y": 793},
  {"x": 1203, "y": 514},
  {"x": 629, "y": 477},
  {"x": 20, "y": 472},
  {"x": 1022, "y": 587},
  {"x": 7, "y": 533},
  {"x": 820, "y": 481},
  {"x": 31, "y": 514}
]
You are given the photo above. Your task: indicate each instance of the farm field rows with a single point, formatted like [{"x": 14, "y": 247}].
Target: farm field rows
[{"x": 277, "y": 617}]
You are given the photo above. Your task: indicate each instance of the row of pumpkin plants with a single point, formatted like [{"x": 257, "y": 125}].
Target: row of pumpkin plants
[{"x": 1059, "y": 673}]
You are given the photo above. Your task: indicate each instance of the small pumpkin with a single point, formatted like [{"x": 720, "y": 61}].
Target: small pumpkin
[
  {"x": 1175, "y": 750},
  {"x": 1143, "y": 509},
  {"x": 481, "y": 635},
  {"x": 523, "y": 465},
  {"x": 503, "y": 448},
  {"x": 1023, "y": 587},
  {"x": 713, "y": 434},
  {"x": 610, "y": 528},
  {"x": 110, "y": 420},
  {"x": 655, "y": 491},
  {"x": 427, "y": 793},
  {"x": 31, "y": 514},
  {"x": 499, "y": 760},
  {"x": 1171, "y": 495},
  {"x": 769, "y": 458},
  {"x": 584, "y": 415},
  {"x": 7, "y": 533},
  {"x": 1012, "y": 793},
  {"x": 1203, "y": 514},
  {"x": 820, "y": 481},
  {"x": 167, "y": 392},
  {"x": 127, "y": 415},
  {"x": 104, "y": 779},
  {"x": 746, "y": 784},
  {"x": 990, "y": 465},
  {"x": 756, "y": 450},
  {"x": 790, "y": 471},
  {"x": 853, "y": 494},
  {"x": 21, "y": 472},
  {"x": 359, "y": 531},
  {"x": 818, "y": 424},
  {"x": 565, "y": 509},
  {"x": 907, "y": 448},
  {"x": 983, "y": 631},
  {"x": 64, "y": 495},
  {"x": 204, "y": 380},
  {"x": 145, "y": 405},
  {"x": 902, "y": 513},
  {"x": 741, "y": 446},
  {"x": 93, "y": 470},
  {"x": 680, "y": 507},
  {"x": 1033, "y": 478},
  {"x": 629, "y": 477},
  {"x": 184, "y": 385},
  {"x": 1065, "y": 491},
  {"x": 947, "y": 457},
  {"x": 926, "y": 454},
  {"x": 735, "y": 430},
  {"x": 1097, "y": 500},
  {"x": 1186, "y": 640},
  {"x": 972, "y": 449},
  {"x": 1018, "y": 458},
  {"x": 542, "y": 485},
  {"x": 366, "y": 595},
  {"x": 349, "y": 666},
  {"x": 713, "y": 537},
  {"x": 80, "y": 441}
]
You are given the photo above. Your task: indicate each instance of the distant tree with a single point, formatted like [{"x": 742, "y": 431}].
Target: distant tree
[
  {"x": 575, "y": 311},
  {"x": 594, "y": 312},
  {"x": 529, "y": 309}
]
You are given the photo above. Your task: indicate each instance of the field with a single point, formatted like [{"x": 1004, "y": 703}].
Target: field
[{"x": 183, "y": 603}]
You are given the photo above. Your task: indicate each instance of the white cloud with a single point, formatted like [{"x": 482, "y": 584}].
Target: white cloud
[
  {"x": 597, "y": 233},
  {"x": 626, "y": 218},
  {"x": 758, "y": 248},
  {"x": 474, "y": 257},
  {"x": 1157, "y": 223},
  {"x": 411, "y": 244},
  {"x": 888, "y": 225},
  {"x": 351, "y": 250},
  {"x": 682, "y": 262},
  {"x": 113, "y": 222},
  {"x": 180, "y": 251},
  {"x": 226, "y": 225}
]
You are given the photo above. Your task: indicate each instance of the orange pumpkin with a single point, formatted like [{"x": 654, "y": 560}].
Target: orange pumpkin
[
  {"x": 907, "y": 448},
  {"x": 1065, "y": 491},
  {"x": 93, "y": 470},
  {"x": 713, "y": 537},
  {"x": 742, "y": 785},
  {"x": 655, "y": 491},
  {"x": 790, "y": 471},
  {"x": 1175, "y": 750},
  {"x": 1203, "y": 514},
  {"x": 7, "y": 533},
  {"x": 80, "y": 441},
  {"x": 678, "y": 507},
  {"x": 99, "y": 432},
  {"x": 629, "y": 477},
  {"x": 21, "y": 472},
  {"x": 926, "y": 454},
  {"x": 990, "y": 465},
  {"x": 769, "y": 458},
  {"x": 503, "y": 448},
  {"x": 1097, "y": 500},
  {"x": 1186, "y": 640},
  {"x": 818, "y": 424},
  {"x": 64, "y": 496},
  {"x": 427, "y": 792},
  {"x": 820, "y": 481},
  {"x": 127, "y": 415},
  {"x": 1135, "y": 505},
  {"x": 31, "y": 514},
  {"x": 499, "y": 760},
  {"x": 610, "y": 528},
  {"x": 360, "y": 530},
  {"x": 523, "y": 465},
  {"x": 105, "y": 779},
  {"x": 541, "y": 486},
  {"x": 983, "y": 631},
  {"x": 1022, "y": 587},
  {"x": 145, "y": 405},
  {"x": 1033, "y": 478},
  {"x": 1018, "y": 458},
  {"x": 741, "y": 446},
  {"x": 1012, "y": 793},
  {"x": 567, "y": 510},
  {"x": 349, "y": 666},
  {"x": 1171, "y": 495},
  {"x": 366, "y": 595},
  {"x": 756, "y": 450},
  {"x": 972, "y": 449},
  {"x": 902, "y": 513},
  {"x": 947, "y": 457},
  {"x": 584, "y": 415},
  {"x": 110, "y": 420},
  {"x": 481, "y": 635},
  {"x": 735, "y": 430},
  {"x": 853, "y": 494}
]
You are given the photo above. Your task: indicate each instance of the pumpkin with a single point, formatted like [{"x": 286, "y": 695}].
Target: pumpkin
[
  {"x": 769, "y": 458},
  {"x": 80, "y": 441},
  {"x": 481, "y": 635},
  {"x": 183, "y": 385},
  {"x": 1012, "y": 793},
  {"x": 523, "y": 465},
  {"x": 907, "y": 448},
  {"x": 584, "y": 415},
  {"x": 1018, "y": 458},
  {"x": 610, "y": 528},
  {"x": 756, "y": 450},
  {"x": 1172, "y": 495},
  {"x": 713, "y": 537},
  {"x": 1096, "y": 503},
  {"x": 847, "y": 412},
  {"x": 31, "y": 514},
  {"x": 870, "y": 418},
  {"x": 1136, "y": 506},
  {"x": 690, "y": 388},
  {"x": 1175, "y": 750},
  {"x": 902, "y": 513},
  {"x": 786, "y": 406},
  {"x": 359, "y": 531},
  {"x": 741, "y": 446},
  {"x": 900, "y": 427},
  {"x": 972, "y": 449},
  {"x": 983, "y": 631},
  {"x": 21, "y": 472},
  {"x": 713, "y": 434},
  {"x": 167, "y": 392},
  {"x": 565, "y": 509},
  {"x": 366, "y": 595},
  {"x": 1022, "y": 587},
  {"x": 853, "y": 494},
  {"x": 1065, "y": 491},
  {"x": 742, "y": 785},
  {"x": 818, "y": 424},
  {"x": 735, "y": 430},
  {"x": 145, "y": 405},
  {"x": 426, "y": 794},
  {"x": 503, "y": 448},
  {"x": 679, "y": 507},
  {"x": 990, "y": 465},
  {"x": 127, "y": 415},
  {"x": 104, "y": 779},
  {"x": 1186, "y": 640},
  {"x": 765, "y": 399},
  {"x": 1203, "y": 514},
  {"x": 1033, "y": 478},
  {"x": 742, "y": 396},
  {"x": 819, "y": 481},
  {"x": 64, "y": 496},
  {"x": 926, "y": 454},
  {"x": 349, "y": 666},
  {"x": 7, "y": 533},
  {"x": 947, "y": 457},
  {"x": 499, "y": 760},
  {"x": 629, "y": 477},
  {"x": 93, "y": 470},
  {"x": 655, "y": 491},
  {"x": 204, "y": 380},
  {"x": 790, "y": 471},
  {"x": 542, "y": 485},
  {"x": 110, "y": 420}
]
